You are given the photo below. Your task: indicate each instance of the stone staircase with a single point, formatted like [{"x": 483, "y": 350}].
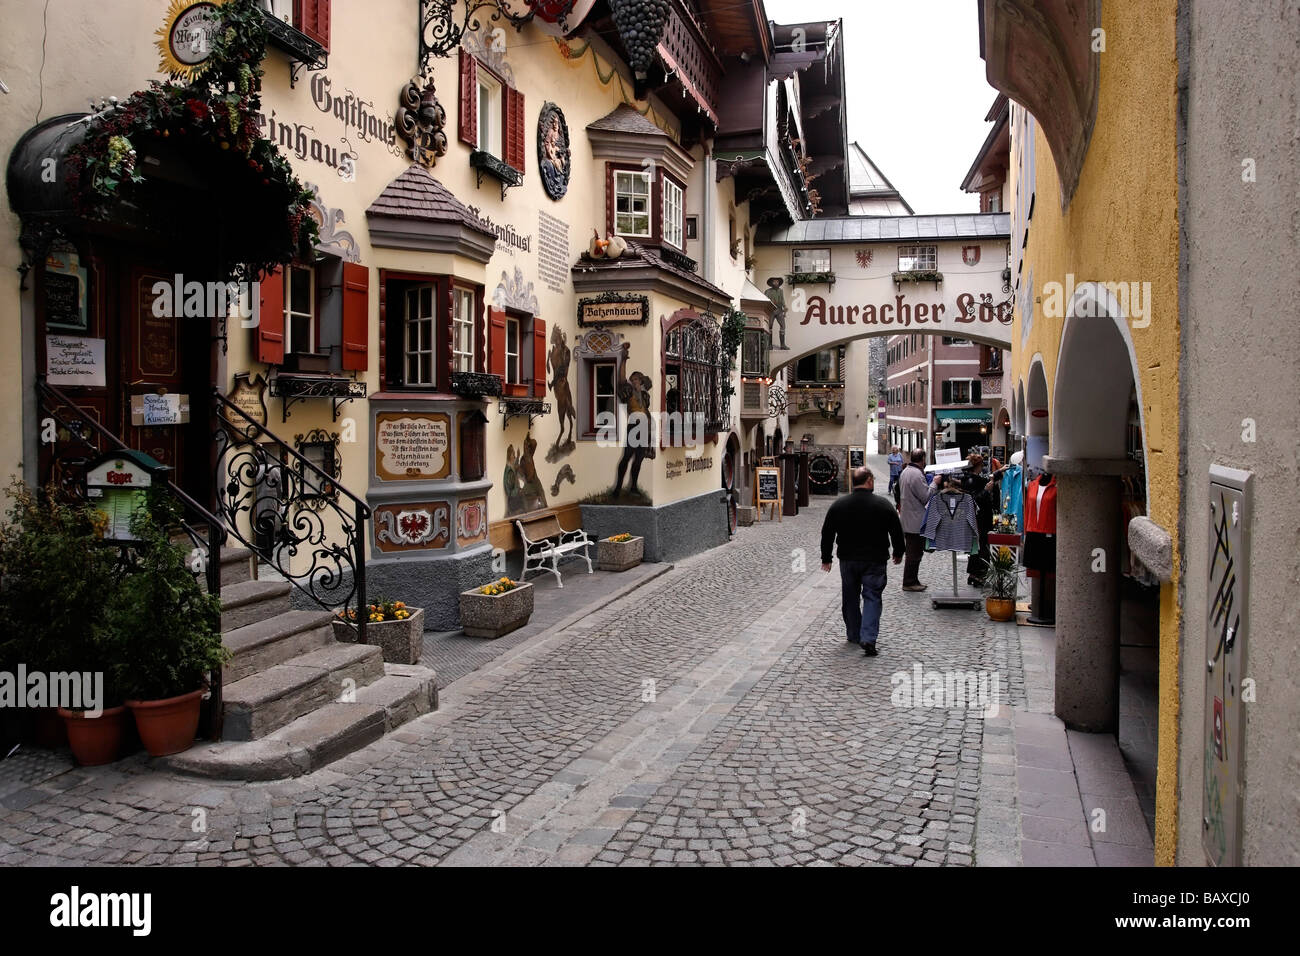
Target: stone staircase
[{"x": 294, "y": 698}]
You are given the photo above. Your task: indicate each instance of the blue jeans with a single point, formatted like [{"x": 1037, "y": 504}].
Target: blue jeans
[{"x": 862, "y": 584}]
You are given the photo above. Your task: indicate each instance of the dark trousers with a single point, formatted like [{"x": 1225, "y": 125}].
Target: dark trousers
[
  {"x": 635, "y": 456},
  {"x": 912, "y": 562},
  {"x": 862, "y": 583}
]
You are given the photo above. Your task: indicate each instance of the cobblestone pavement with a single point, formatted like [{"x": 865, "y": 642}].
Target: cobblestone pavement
[{"x": 715, "y": 714}]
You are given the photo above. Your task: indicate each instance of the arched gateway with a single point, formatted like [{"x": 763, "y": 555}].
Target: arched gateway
[{"x": 835, "y": 280}]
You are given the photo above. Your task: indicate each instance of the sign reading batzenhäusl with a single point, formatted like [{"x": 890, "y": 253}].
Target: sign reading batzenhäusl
[{"x": 613, "y": 308}]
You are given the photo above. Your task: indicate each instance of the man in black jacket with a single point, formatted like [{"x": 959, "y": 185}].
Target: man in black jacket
[{"x": 866, "y": 524}]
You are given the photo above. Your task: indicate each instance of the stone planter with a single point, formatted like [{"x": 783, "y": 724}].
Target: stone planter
[
  {"x": 491, "y": 615},
  {"x": 402, "y": 642},
  {"x": 619, "y": 555}
]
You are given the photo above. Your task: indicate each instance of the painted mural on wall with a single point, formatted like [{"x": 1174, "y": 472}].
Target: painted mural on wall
[
  {"x": 523, "y": 489},
  {"x": 638, "y": 435},
  {"x": 557, "y": 364},
  {"x": 565, "y": 474},
  {"x": 553, "y": 150},
  {"x": 406, "y": 527},
  {"x": 778, "y": 314}
]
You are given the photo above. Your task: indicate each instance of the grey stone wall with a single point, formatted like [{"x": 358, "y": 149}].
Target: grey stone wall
[{"x": 672, "y": 531}]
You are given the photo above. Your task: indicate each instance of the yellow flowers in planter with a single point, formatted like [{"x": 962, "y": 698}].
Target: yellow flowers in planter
[
  {"x": 385, "y": 610},
  {"x": 499, "y": 586},
  {"x": 620, "y": 538}
]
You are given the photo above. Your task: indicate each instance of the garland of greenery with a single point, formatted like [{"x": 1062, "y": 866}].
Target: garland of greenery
[
  {"x": 926, "y": 275},
  {"x": 733, "y": 330},
  {"x": 218, "y": 107}
]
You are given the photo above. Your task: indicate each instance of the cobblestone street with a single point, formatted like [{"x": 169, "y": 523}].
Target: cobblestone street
[{"x": 715, "y": 715}]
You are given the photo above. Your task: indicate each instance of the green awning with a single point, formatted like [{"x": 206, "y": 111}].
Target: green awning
[{"x": 942, "y": 415}]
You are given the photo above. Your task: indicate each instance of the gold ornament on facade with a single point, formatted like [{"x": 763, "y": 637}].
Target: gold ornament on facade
[
  {"x": 185, "y": 38},
  {"x": 420, "y": 121}
]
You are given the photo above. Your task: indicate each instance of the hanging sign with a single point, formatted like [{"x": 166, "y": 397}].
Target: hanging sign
[{"x": 185, "y": 38}]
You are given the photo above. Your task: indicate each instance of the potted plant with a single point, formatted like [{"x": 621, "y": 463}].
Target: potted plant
[
  {"x": 619, "y": 552},
  {"x": 166, "y": 634},
  {"x": 1000, "y": 584},
  {"x": 55, "y": 574},
  {"x": 393, "y": 627},
  {"x": 496, "y": 608}
]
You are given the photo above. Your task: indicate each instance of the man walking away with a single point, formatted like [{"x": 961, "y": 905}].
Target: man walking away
[
  {"x": 915, "y": 493},
  {"x": 865, "y": 525}
]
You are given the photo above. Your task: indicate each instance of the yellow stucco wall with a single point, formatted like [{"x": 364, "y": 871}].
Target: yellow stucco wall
[{"x": 1122, "y": 225}]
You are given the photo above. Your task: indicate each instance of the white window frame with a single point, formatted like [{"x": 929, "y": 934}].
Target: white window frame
[
  {"x": 463, "y": 329},
  {"x": 918, "y": 258},
  {"x": 673, "y": 210},
  {"x": 490, "y": 120},
  {"x": 819, "y": 263},
  {"x": 290, "y": 346},
  {"x": 513, "y": 358},
  {"x": 597, "y": 395},
  {"x": 414, "y": 321},
  {"x": 628, "y": 176}
]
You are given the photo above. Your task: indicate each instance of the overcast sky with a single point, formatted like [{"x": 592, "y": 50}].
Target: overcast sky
[{"x": 916, "y": 90}]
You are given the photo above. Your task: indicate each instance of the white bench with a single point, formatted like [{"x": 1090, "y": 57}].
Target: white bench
[{"x": 545, "y": 540}]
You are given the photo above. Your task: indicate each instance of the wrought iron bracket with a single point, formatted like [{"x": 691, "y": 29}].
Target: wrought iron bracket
[
  {"x": 293, "y": 388},
  {"x": 529, "y": 408},
  {"x": 304, "y": 52},
  {"x": 506, "y": 174},
  {"x": 440, "y": 33}
]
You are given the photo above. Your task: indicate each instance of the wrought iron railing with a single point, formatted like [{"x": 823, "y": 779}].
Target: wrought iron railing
[
  {"x": 77, "y": 440},
  {"x": 296, "y": 518}
]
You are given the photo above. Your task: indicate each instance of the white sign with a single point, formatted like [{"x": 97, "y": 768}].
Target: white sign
[
  {"x": 947, "y": 459},
  {"x": 73, "y": 360},
  {"x": 150, "y": 409}
]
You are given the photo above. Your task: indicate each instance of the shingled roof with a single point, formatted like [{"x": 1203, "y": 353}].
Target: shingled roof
[
  {"x": 415, "y": 194},
  {"x": 625, "y": 119},
  {"x": 639, "y": 257}
]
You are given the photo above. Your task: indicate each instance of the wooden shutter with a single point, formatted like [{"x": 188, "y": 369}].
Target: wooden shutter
[
  {"x": 975, "y": 398},
  {"x": 947, "y": 393},
  {"x": 356, "y": 317},
  {"x": 497, "y": 342},
  {"x": 313, "y": 19},
  {"x": 480, "y": 332},
  {"x": 468, "y": 100},
  {"x": 269, "y": 333},
  {"x": 513, "y": 135},
  {"x": 539, "y": 358}
]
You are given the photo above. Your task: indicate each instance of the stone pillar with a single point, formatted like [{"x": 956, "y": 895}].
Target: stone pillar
[{"x": 1088, "y": 528}]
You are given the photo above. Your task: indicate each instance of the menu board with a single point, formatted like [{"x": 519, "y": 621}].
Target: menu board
[
  {"x": 73, "y": 360},
  {"x": 64, "y": 282},
  {"x": 412, "y": 447},
  {"x": 857, "y": 456},
  {"x": 769, "y": 485}
]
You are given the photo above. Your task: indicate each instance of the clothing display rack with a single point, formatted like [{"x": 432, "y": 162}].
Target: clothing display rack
[
  {"x": 958, "y": 598},
  {"x": 947, "y": 501}
]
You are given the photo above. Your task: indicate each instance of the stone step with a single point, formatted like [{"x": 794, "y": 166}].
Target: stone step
[
  {"x": 251, "y": 601},
  {"x": 279, "y": 695},
  {"x": 261, "y": 644},
  {"x": 236, "y": 565},
  {"x": 312, "y": 741}
]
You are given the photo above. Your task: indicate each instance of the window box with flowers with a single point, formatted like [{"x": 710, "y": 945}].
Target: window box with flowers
[
  {"x": 620, "y": 552},
  {"x": 394, "y": 628},
  {"x": 496, "y": 608}
]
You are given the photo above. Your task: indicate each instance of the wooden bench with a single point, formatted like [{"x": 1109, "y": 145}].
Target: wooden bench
[{"x": 546, "y": 540}]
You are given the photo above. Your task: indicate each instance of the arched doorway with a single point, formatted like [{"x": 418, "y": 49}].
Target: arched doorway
[{"x": 1108, "y": 615}]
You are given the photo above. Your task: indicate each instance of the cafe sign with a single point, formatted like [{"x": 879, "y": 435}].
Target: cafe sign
[
  {"x": 185, "y": 38},
  {"x": 614, "y": 308}
]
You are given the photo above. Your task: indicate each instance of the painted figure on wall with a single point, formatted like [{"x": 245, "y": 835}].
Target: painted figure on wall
[
  {"x": 638, "y": 440},
  {"x": 778, "y": 314},
  {"x": 534, "y": 497},
  {"x": 557, "y": 362},
  {"x": 510, "y": 483}
]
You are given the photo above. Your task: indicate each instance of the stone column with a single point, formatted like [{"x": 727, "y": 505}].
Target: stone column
[{"x": 1088, "y": 528}]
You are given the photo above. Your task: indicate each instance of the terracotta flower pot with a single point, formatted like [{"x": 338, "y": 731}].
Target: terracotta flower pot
[
  {"x": 95, "y": 740},
  {"x": 167, "y": 726},
  {"x": 1000, "y": 609}
]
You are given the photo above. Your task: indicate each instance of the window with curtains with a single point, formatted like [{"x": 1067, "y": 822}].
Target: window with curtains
[
  {"x": 430, "y": 327},
  {"x": 695, "y": 371}
]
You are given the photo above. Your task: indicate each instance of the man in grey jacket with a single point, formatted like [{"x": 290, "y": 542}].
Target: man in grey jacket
[{"x": 915, "y": 494}]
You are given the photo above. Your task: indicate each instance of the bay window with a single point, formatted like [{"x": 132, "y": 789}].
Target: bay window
[
  {"x": 430, "y": 326},
  {"x": 631, "y": 203},
  {"x": 420, "y": 338},
  {"x": 645, "y": 205}
]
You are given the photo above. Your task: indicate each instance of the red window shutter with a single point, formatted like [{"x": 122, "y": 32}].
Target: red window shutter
[
  {"x": 539, "y": 358},
  {"x": 480, "y": 332},
  {"x": 514, "y": 132},
  {"x": 269, "y": 333},
  {"x": 313, "y": 19},
  {"x": 356, "y": 317},
  {"x": 497, "y": 342},
  {"x": 468, "y": 100}
]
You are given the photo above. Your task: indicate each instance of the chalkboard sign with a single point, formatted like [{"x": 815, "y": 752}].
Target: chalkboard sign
[
  {"x": 1000, "y": 453},
  {"x": 768, "y": 489},
  {"x": 857, "y": 456},
  {"x": 64, "y": 284}
]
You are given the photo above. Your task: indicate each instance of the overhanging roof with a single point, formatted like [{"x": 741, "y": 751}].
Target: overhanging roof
[{"x": 996, "y": 225}]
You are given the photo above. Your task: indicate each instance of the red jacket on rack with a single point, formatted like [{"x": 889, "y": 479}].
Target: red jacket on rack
[{"x": 1040, "y": 516}]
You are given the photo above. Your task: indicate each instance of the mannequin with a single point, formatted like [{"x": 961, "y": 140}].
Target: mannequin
[{"x": 1040, "y": 547}]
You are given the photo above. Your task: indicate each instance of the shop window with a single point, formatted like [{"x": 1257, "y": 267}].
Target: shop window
[
  {"x": 430, "y": 327},
  {"x": 491, "y": 113},
  {"x": 918, "y": 258},
  {"x": 812, "y": 260},
  {"x": 695, "y": 370},
  {"x": 315, "y": 318},
  {"x": 517, "y": 352}
]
